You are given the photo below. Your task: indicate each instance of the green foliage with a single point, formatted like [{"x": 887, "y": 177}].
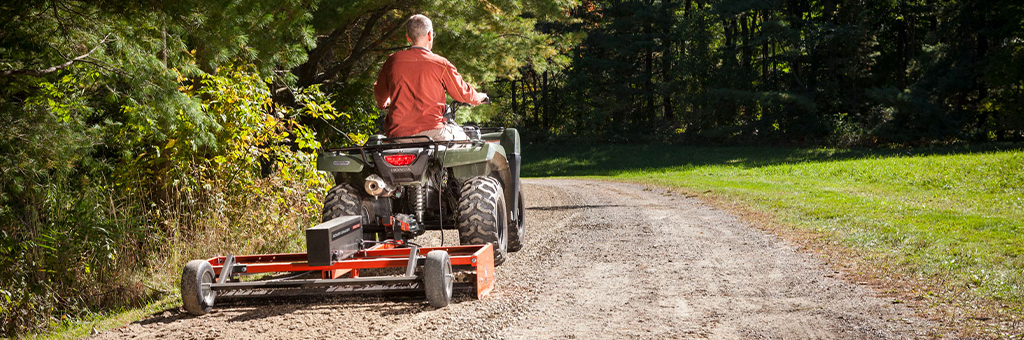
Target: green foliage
[
  {"x": 254, "y": 137},
  {"x": 255, "y": 192},
  {"x": 802, "y": 71},
  {"x": 110, "y": 128}
]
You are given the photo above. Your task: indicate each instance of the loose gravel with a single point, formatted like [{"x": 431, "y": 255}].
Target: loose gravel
[{"x": 603, "y": 260}]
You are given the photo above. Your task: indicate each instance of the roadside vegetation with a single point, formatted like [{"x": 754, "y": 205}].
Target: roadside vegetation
[{"x": 940, "y": 226}]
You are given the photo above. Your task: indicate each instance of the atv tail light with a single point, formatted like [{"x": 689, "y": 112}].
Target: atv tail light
[{"x": 400, "y": 159}]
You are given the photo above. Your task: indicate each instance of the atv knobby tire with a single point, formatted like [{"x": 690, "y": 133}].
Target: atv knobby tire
[
  {"x": 344, "y": 200},
  {"x": 517, "y": 232},
  {"x": 195, "y": 299},
  {"x": 341, "y": 200},
  {"x": 483, "y": 217}
]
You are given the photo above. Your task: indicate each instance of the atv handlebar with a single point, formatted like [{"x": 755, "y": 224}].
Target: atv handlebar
[{"x": 451, "y": 109}]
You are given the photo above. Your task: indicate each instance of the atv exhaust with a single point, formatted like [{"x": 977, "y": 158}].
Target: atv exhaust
[{"x": 377, "y": 187}]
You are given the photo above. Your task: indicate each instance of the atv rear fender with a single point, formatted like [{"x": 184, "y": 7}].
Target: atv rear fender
[
  {"x": 505, "y": 169},
  {"x": 339, "y": 162},
  {"x": 480, "y": 160}
]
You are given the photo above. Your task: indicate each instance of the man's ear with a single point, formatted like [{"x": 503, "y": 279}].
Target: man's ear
[
  {"x": 407, "y": 39},
  {"x": 430, "y": 35}
]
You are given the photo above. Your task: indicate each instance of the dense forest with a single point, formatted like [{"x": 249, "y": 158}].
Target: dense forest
[
  {"x": 136, "y": 136},
  {"x": 863, "y": 72}
]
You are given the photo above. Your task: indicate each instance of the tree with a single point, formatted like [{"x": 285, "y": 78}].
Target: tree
[
  {"x": 794, "y": 71},
  {"x": 483, "y": 39},
  {"x": 132, "y": 129}
]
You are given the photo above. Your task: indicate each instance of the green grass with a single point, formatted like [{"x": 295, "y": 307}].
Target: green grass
[{"x": 954, "y": 216}]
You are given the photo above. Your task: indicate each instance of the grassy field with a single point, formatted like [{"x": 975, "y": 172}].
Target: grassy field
[{"x": 951, "y": 217}]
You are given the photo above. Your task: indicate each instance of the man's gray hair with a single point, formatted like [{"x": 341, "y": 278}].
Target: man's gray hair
[{"x": 418, "y": 26}]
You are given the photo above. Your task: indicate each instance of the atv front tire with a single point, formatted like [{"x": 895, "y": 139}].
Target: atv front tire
[{"x": 483, "y": 217}]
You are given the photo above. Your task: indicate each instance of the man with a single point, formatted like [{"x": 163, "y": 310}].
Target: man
[{"x": 412, "y": 84}]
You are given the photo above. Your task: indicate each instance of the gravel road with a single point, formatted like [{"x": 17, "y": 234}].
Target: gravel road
[{"x": 603, "y": 260}]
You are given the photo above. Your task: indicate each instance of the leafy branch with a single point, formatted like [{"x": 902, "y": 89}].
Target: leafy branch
[{"x": 51, "y": 69}]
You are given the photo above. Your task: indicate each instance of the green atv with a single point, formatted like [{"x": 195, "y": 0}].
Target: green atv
[{"x": 403, "y": 186}]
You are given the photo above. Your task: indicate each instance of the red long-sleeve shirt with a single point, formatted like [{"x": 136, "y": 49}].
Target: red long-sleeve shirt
[{"x": 411, "y": 87}]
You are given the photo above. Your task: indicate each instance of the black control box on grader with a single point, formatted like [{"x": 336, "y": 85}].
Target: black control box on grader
[{"x": 410, "y": 185}]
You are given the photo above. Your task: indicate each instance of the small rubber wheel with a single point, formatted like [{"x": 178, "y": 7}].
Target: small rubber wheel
[
  {"x": 438, "y": 278},
  {"x": 195, "y": 299}
]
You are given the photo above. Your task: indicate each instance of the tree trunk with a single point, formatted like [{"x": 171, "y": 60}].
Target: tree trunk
[
  {"x": 547, "y": 99},
  {"x": 902, "y": 49},
  {"x": 983, "y": 115},
  {"x": 828, "y": 10},
  {"x": 515, "y": 107},
  {"x": 744, "y": 45},
  {"x": 666, "y": 62},
  {"x": 533, "y": 97}
]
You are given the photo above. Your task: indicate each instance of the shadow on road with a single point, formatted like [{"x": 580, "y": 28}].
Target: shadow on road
[
  {"x": 255, "y": 308},
  {"x": 574, "y": 207}
]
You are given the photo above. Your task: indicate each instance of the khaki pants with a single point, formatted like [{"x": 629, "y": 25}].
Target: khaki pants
[{"x": 448, "y": 132}]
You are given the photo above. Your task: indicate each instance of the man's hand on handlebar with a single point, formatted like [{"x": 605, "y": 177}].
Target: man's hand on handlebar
[{"x": 482, "y": 98}]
